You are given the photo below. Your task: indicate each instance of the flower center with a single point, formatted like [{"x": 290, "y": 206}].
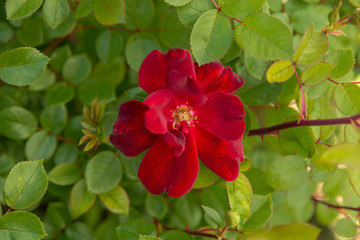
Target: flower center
[{"x": 182, "y": 114}]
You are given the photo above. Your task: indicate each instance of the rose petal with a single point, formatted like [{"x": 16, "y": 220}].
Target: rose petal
[
  {"x": 215, "y": 77},
  {"x": 186, "y": 89},
  {"x": 158, "y": 115},
  {"x": 154, "y": 70},
  {"x": 130, "y": 135},
  {"x": 175, "y": 139},
  {"x": 222, "y": 115},
  {"x": 220, "y": 156},
  {"x": 185, "y": 170},
  {"x": 161, "y": 171}
]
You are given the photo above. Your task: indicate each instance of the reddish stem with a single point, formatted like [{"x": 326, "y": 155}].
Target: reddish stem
[
  {"x": 196, "y": 233},
  {"x": 333, "y": 81},
  {"x": 343, "y": 19},
  {"x": 303, "y": 123},
  {"x": 217, "y": 7},
  {"x": 335, "y": 206}
]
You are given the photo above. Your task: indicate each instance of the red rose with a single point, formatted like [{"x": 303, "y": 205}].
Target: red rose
[{"x": 190, "y": 113}]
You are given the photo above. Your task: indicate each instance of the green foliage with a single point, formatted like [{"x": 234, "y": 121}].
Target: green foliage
[
  {"x": 25, "y": 185},
  {"x": 17, "y": 123},
  {"x": 22, "y": 66},
  {"x": 210, "y": 37},
  {"x": 21, "y": 225},
  {"x": 262, "y": 42},
  {"x": 103, "y": 172},
  {"x": 67, "y": 66},
  {"x": 55, "y": 12}
]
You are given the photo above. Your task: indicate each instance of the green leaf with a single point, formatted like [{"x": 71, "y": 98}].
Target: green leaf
[
  {"x": 81, "y": 200},
  {"x": 55, "y": 12},
  {"x": 16, "y": 9},
  {"x": 280, "y": 71},
  {"x": 188, "y": 211},
  {"x": 155, "y": 206},
  {"x": 299, "y": 197},
  {"x": 109, "y": 45},
  {"x": 286, "y": 173},
  {"x": 84, "y": 8},
  {"x": 355, "y": 3},
  {"x": 132, "y": 229},
  {"x": 261, "y": 210},
  {"x": 53, "y": 118},
  {"x": 65, "y": 174},
  {"x": 354, "y": 177},
  {"x": 240, "y": 8},
  {"x": 40, "y": 146},
  {"x": 175, "y": 234},
  {"x": 295, "y": 231},
  {"x": 259, "y": 41},
  {"x": 78, "y": 231},
  {"x": 139, "y": 13},
  {"x": 343, "y": 59},
  {"x": 21, "y": 225},
  {"x": 25, "y": 185},
  {"x": 6, "y": 32},
  {"x": 117, "y": 201},
  {"x": 93, "y": 88},
  {"x": 22, "y": 66},
  {"x": 347, "y": 98},
  {"x": 347, "y": 154},
  {"x": 17, "y": 123},
  {"x": 64, "y": 28},
  {"x": 312, "y": 47},
  {"x": 189, "y": 13},
  {"x": 138, "y": 47},
  {"x": 205, "y": 177},
  {"x": 6, "y": 163},
  {"x": 46, "y": 79},
  {"x": 59, "y": 93},
  {"x": 240, "y": 196},
  {"x": 59, "y": 56},
  {"x": 177, "y": 3},
  {"x": 103, "y": 172},
  {"x": 212, "y": 217},
  {"x": 316, "y": 73},
  {"x": 255, "y": 67},
  {"x": 346, "y": 227},
  {"x": 173, "y": 34},
  {"x": 109, "y": 12},
  {"x": 58, "y": 215},
  {"x": 211, "y": 37},
  {"x": 322, "y": 109},
  {"x": 65, "y": 153},
  {"x": 142, "y": 237},
  {"x": 298, "y": 140},
  {"x": 31, "y": 32},
  {"x": 77, "y": 68}
]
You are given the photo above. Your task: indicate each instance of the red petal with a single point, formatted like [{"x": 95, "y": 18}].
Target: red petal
[
  {"x": 161, "y": 171},
  {"x": 155, "y": 68},
  {"x": 160, "y": 104},
  {"x": 222, "y": 115},
  {"x": 177, "y": 140},
  {"x": 130, "y": 135},
  {"x": 220, "y": 156},
  {"x": 186, "y": 89},
  {"x": 214, "y": 77},
  {"x": 153, "y": 72},
  {"x": 185, "y": 169}
]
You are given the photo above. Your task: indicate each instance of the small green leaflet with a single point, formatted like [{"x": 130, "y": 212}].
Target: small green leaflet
[
  {"x": 343, "y": 59},
  {"x": 109, "y": 12},
  {"x": 211, "y": 37},
  {"x": 263, "y": 42},
  {"x": 55, "y": 12},
  {"x": 117, "y": 201},
  {"x": 22, "y": 66},
  {"x": 177, "y": 3},
  {"x": 280, "y": 71},
  {"x": 240, "y": 8},
  {"x": 212, "y": 217},
  {"x": 19, "y": 9},
  {"x": 26, "y": 184},
  {"x": 21, "y": 225}
]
